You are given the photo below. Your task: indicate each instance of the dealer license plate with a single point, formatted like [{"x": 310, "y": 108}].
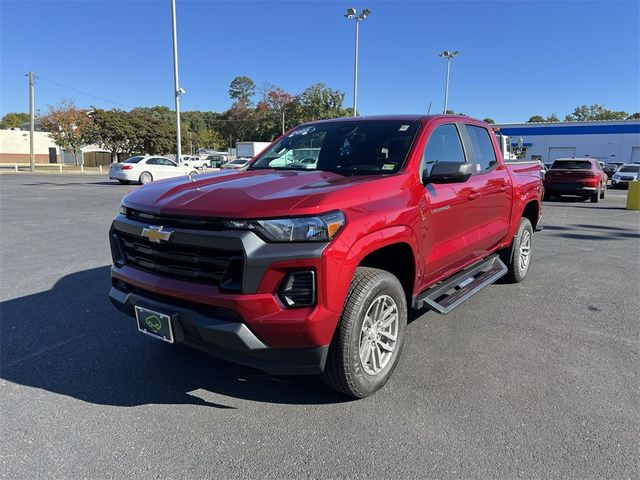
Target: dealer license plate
[{"x": 156, "y": 324}]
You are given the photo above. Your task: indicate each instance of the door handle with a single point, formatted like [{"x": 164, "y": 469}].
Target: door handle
[{"x": 473, "y": 195}]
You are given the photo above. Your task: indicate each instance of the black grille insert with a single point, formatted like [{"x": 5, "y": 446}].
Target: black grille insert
[
  {"x": 199, "y": 264},
  {"x": 196, "y": 223},
  {"x": 299, "y": 289}
]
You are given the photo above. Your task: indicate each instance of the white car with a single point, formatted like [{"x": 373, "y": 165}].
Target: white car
[
  {"x": 625, "y": 174},
  {"x": 147, "y": 169},
  {"x": 194, "y": 161}
]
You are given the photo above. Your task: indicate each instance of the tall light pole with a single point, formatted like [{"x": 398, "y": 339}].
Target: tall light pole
[
  {"x": 448, "y": 55},
  {"x": 352, "y": 15},
  {"x": 32, "y": 158},
  {"x": 177, "y": 91}
]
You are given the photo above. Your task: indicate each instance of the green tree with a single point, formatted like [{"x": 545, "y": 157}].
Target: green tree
[
  {"x": 14, "y": 120},
  {"x": 536, "y": 119},
  {"x": 69, "y": 127},
  {"x": 209, "y": 138},
  {"x": 552, "y": 118},
  {"x": 489, "y": 120},
  {"x": 114, "y": 130},
  {"x": 634, "y": 116},
  {"x": 319, "y": 101},
  {"x": 241, "y": 89},
  {"x": 155, "y": 133},
  {"x": 594, "y": 112}
]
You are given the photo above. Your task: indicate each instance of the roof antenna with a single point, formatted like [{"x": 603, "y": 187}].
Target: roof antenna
[{"x": 429, "y": 110}]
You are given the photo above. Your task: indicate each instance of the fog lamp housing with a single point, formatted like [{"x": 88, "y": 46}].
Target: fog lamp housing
[{"x": 298, "y": 289}]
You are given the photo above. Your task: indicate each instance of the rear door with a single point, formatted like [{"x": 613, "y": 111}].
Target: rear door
[{"x": 492, "y": 183}]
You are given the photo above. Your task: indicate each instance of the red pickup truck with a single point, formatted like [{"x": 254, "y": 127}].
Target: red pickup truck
[{"x": 307, "y": 260}]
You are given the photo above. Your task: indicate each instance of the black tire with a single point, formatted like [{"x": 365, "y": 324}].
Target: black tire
[
  {"x": 602, "y": 192},
  {"x": 546, "y": 196},
  {"x": 595, "y": 197},
  {"x": 512, "y": 256},
  {"x": 344, "y": 370},
  {"x": 123, "y": 182},
  {"x": 145, "y": 177}
]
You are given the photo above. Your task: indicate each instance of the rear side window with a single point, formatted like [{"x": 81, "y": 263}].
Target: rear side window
[
  {"x": 484, "y": 153},
  {"x": 444, "y": 145},
  {"x": 133, "y": 160}
]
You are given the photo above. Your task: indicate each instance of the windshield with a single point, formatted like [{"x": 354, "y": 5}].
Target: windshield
[
  {"x": 630, "y": 168},
  {"x": 350, "y": 148},
  {"x": 571, "y": 165},
  {"x": 133, "y": 160},
  {"x": 238, "y": 162}
]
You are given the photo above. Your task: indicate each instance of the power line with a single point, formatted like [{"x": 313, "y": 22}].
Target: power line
[{"x": 40, "y": 77}]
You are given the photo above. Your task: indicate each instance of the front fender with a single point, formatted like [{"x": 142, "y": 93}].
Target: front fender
[{"x": 337, "y": 285}]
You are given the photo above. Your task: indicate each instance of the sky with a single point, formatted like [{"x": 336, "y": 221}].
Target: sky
[{"x": 517, "y": 58}]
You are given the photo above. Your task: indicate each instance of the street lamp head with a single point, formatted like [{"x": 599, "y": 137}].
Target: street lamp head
[
  {"x": 448, "y": 54},
  {"x": 365, "y": 13},
  {"x": 351, "y": 13}
]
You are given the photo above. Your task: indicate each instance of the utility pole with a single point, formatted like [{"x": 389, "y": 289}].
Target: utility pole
[
  {"x": 32, "y": 121},
  {"x": 176, "y": 84},
  {"x": 283, "y": 120}
]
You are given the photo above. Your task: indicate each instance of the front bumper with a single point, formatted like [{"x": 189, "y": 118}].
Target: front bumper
[
  {"x": 619, "y": 182},
  {"x": 226, "y": 339}
]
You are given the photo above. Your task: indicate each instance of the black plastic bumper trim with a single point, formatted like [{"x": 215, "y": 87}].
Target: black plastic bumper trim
[{"x": 230, "y": 341}]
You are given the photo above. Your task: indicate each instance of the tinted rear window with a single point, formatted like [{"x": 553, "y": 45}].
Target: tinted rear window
[
  {"x": 133, "y": 160},
  {"x": 571, "y": 165},
  {"x": 630, "y": 168}
]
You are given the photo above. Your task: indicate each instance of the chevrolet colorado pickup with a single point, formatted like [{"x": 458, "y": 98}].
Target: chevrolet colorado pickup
[{"x": 307, "y": 260}]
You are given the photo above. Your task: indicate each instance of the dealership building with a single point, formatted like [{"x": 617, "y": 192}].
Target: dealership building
[{"x": 607, "y": 141}]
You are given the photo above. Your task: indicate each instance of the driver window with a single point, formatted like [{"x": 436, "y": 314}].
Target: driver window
[{"x": 444, "y": 145}]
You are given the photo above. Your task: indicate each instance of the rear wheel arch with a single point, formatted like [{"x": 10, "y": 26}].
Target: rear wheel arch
[{"x": 531, "y": 211}]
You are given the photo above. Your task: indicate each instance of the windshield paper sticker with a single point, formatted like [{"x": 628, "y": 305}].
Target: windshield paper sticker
[
  {"x": 302, "y": 131},
  {"x": 388, "y": 166},
  {"x": 403, "y": 128}
]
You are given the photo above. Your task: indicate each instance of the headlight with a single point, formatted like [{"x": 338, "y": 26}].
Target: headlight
[
  {"x": 293, "y": 229},
  {"x": 616, "y": 176},
  {"x": 123, "y": 210}
]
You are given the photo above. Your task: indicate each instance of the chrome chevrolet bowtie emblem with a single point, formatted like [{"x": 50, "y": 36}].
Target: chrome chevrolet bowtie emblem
[{"x": 156, "y": 234}]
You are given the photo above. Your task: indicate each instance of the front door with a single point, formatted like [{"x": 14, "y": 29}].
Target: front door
[
  {"x": 53, "y": 156},
  {"x": 448, "y": 210}
]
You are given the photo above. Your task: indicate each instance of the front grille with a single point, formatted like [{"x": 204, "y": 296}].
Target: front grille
[
  {"x": 195, "y": 223},
  {"x": 188, "y": 262}
]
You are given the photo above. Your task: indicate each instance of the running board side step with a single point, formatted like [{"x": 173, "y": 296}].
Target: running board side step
[{"x": 451, "y": 292}]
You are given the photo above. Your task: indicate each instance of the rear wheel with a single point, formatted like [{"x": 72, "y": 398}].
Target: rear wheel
[
  {"x": 546, "y": 196},
  {"x": 369, "y": 338},
  {"x": 596, "y": 196},
  {"x": 204, "y": 167},
  {"x": 518, "y": 257},
  {"x": 146, "y": 177},
  {"x": 604, "y": 189}
]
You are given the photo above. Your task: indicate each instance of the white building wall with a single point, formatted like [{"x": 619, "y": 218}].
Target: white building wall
[{"x": 607, "y": 147}]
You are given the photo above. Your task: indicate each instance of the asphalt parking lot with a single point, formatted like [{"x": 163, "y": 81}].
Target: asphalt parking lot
[{"x": 535, "y": 380}]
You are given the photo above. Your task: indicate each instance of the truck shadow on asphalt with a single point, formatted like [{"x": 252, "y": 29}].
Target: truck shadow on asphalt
[
  {"x": 71, "y": 341},
  {"x": 596, "y": 232}
]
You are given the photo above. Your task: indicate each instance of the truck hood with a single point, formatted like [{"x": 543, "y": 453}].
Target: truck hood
[{"x": 244, "y": 194}]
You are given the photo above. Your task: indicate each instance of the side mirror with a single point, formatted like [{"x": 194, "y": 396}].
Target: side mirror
[{"x": 448, "y": 172}]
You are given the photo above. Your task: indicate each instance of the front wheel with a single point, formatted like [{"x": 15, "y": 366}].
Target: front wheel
[
  {"x": 369, "y": 338},
  {"x": 518, "y": 257}
]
